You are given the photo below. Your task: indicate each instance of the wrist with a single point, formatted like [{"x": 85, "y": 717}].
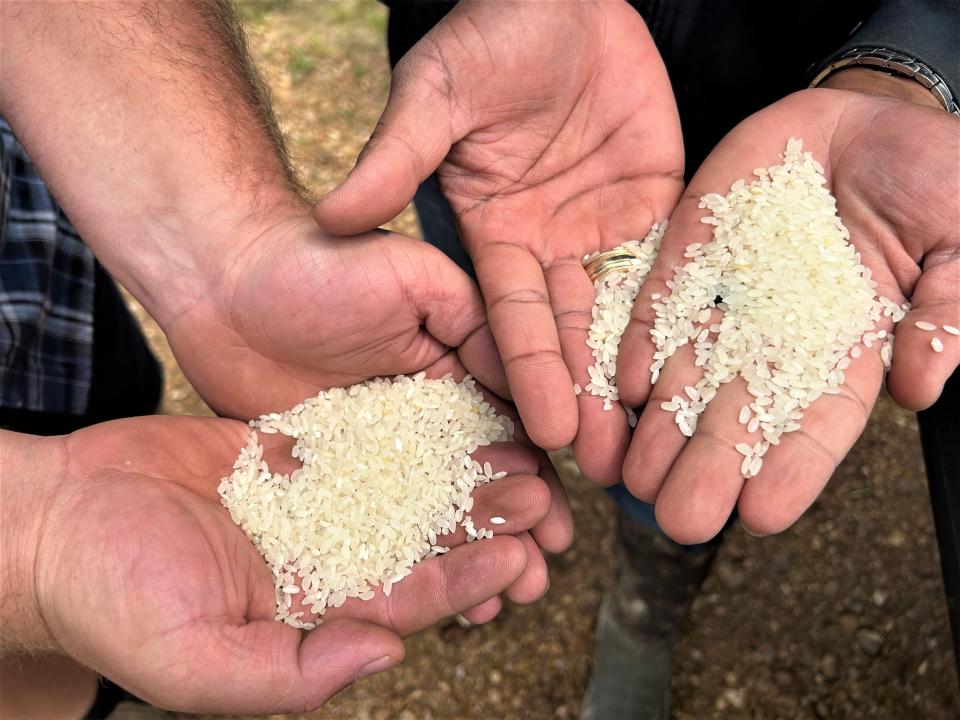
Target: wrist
[
  {"x": 185, "y": 256},
  {"x": 32, "y": 472},
  {"x": 873, "y": 82},
  {"x": 152, "y": 132}
]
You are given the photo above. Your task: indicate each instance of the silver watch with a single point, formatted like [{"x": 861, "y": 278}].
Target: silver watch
[{"x": 892, "y": 62}]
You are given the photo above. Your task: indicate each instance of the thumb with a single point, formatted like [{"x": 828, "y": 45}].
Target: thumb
[
  {"x": 265, "y": 667},
  {"x": 919, "y": 370},
  {"x": 410, "y": 140},
  {"x": 448, "y": 304}
]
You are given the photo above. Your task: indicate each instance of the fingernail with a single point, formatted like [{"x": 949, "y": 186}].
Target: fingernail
[{"x": 379, "y": 665}]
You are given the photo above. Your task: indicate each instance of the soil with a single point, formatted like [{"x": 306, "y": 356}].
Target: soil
[{"x": 842, "y": 616}]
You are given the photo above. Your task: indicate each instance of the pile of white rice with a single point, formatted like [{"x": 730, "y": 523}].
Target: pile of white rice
[
  {"x": 386, "y": 472},
  {"x": 796, "y": 301},
  {"x": 616, "y": 293}
]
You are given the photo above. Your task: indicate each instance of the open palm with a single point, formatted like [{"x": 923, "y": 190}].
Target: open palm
[
  {"x": 142, "y": 575},
  {"x": 553, "y": 132},
  {"x": 893, "y": 167}
]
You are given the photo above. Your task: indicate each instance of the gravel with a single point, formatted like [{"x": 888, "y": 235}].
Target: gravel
[{"x": 870, "y": 641}]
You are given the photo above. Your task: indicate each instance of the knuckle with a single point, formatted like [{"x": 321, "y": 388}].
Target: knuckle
[
  {"x": 536, "y": 357},
  {"x": 518, "y": 296}
]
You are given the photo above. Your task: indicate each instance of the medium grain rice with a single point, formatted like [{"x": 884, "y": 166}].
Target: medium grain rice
[
  {"x": 386, "y": 472},
  {"x": 616, "y": 293},
  {"x": 795, "y": 298}
]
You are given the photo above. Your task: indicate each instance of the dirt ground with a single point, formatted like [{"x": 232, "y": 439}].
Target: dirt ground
[{"x": 842, "y": 616}]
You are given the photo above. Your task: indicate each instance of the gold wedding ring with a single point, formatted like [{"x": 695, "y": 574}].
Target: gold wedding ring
[{"x": 607, "y": 262}]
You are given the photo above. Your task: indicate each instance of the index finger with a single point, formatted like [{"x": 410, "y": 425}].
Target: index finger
[{"x": 522, "y": 321}]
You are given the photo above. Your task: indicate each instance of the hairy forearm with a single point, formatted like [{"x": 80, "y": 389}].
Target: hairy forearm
[
  {"x": 30, "y": 472},
  {"x": 152, "y": 131}
]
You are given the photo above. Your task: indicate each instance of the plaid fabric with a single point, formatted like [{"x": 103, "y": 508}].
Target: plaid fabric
[{"x": 46, "y": 293}]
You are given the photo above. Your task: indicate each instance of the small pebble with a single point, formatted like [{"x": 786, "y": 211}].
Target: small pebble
[
  {"x": 936, "y": 345},
  {"x": 848, "y": 623},
  {"x": 830, "y": 667},
  {"x": 870, "y": 641},
  {"x": 924, "y": 325},
  {"x": 783, "y": 678},
  {"x": 730, "y": 576},
  {"x": 736, "y": 697}
]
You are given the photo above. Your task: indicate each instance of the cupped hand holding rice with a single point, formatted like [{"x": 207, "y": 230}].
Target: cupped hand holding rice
[{"x": 142, "y": 575}]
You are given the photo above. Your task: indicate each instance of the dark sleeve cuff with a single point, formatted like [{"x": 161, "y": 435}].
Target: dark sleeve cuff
[{"x": 928, "y": 30}]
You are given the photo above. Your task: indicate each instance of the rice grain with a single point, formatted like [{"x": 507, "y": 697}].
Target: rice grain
[
  {"x": 795, "y": 297},
  {"x": 386, "y": 471}
]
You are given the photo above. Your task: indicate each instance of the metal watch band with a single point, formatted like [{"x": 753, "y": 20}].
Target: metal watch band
[{"x": 894, "y": 63}]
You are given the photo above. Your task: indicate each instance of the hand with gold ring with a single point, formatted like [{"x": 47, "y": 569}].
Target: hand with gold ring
[
  {"x": 602, "y": 264},
  {"x": 542, "y": 163}
]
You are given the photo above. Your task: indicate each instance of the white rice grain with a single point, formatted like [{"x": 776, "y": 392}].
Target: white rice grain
[
  {"x": 386, "y": 470},
  {"x": 795, "y": 296},
  {"x": 616, "y": 293}
]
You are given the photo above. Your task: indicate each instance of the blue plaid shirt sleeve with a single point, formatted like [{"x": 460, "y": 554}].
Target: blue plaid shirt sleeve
[{"x": 46, "y": 294}]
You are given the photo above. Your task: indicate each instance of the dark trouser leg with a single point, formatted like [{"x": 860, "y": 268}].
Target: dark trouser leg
[
  {"x": 438, "y": 224},
  {"x": 641, "y": 620},
  {"x": 940, "y": 435}
]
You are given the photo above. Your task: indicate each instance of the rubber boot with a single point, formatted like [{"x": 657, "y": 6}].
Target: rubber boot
[{"x": 640, "y": 621}]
